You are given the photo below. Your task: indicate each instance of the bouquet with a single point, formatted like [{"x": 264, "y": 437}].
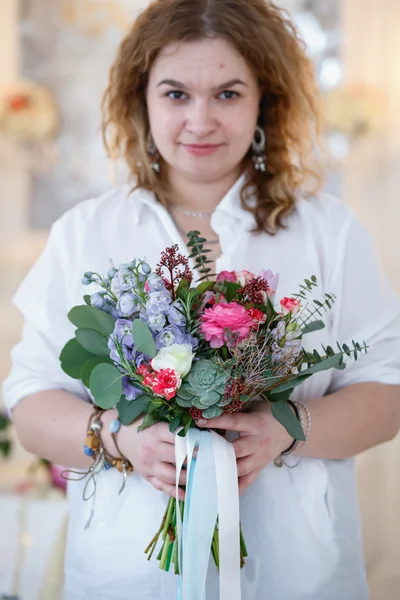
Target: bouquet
[{"x": 150, "y": 342}]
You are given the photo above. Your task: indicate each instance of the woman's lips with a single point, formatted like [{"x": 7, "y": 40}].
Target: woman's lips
[{"x": 202, "y": 149}]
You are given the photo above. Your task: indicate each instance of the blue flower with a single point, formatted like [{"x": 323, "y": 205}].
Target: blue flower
[
  {"x": 158, "y": 302},
  {"x": 97, "y": 300},
  {"x": 123, "y": 332},
  {"x": 156, "y": 322},
  {"x": 155, "y": 283},
  {"x": 114, "y": 355},
  {"x": 127, "y": 305},
  {"x": 131, "y": 392},
  {"x": 124, "y": 280},
  {"x": 175, "y": 316}
]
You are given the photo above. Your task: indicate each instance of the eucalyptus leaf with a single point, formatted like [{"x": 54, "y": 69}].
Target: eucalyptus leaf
[
  {"x": 313, "y": 326},
  {"x": 88, "y": 367},
  {"x": 106, "y": 385},
  {"x": 130, "y": 410},
  {"x": 291, "y": 383},
  {"x": 5, "y": 448},
  {"x": 87, "y": 299},
  {"x": 90, "y": 317},
  {"x": 93, "y": 341},
  {"x": 73, "y": 356},
  {"x": 330, "y": 362},
  {"x": 284, "y": 414},
  {"x": 174, "y": 424},
  {"x": 205, "y": 286},
  {"x": 142, "y": 339},
  {"x": 231, "y": 290}
]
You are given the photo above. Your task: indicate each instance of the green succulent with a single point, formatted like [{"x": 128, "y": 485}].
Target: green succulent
[{"x": 204, "y": 388}]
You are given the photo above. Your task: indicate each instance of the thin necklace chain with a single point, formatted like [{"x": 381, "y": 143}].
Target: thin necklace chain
[
  {"x": 190, "y": 213},
  {"x": 183, "y": 234}
]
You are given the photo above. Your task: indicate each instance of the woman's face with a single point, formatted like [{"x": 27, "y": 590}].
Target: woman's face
[{"x": 203, "y": 104}]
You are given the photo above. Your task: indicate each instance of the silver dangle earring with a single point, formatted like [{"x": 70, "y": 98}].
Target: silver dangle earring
[
  {"x": 258, "y": 146},
  {"x": 153, "y": 153}
]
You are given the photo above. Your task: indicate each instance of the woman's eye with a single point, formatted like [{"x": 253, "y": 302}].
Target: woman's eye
[
  {"x": 229, "y": 95},
  {"x": 176, "y": 95}
]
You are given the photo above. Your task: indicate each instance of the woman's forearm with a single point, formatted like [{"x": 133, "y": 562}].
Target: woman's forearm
[
  {"x": 53, "y": 425},
  {"x": 352, "y": 420}
]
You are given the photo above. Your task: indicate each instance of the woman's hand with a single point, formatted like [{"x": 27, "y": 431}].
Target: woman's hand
[
  {"x": 262, "y": 439},
  {"x": 152, "y": 453}
]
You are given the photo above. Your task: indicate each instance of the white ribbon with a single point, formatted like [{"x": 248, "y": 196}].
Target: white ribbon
[{"x": 211, "y": 491}]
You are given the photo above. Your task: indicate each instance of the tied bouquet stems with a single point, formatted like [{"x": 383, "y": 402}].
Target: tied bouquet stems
[
  {"x": 169, "y": 550},
  {"x": 153, "y": 343}
]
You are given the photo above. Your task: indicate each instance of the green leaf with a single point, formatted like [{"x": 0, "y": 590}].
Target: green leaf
[
  {"x": 73, "y": 356},
  {"x": 231, "y": 290},
  {"x": 148, "y": 421},
  {"x": 330, "y": 362},
  {"x": 313, "y": 326},
  {"x": 284, "y": 414},
  {"x": 88, "y": 367},
  {"x": 291, "y": 383},
  {"x": 5, "y": 448},
  {"x": 106, "y": 385},
  {"x": 142, "y": 339},
  {"x": 87, "y": 299},
  {"x": 130, "y": 410},
  {"x": 280, "y": 396},
  {"x": 205, "y": 286},
  {"x": 4, "y": 422},
  {"x": 89, "y": 317},
  {"x": 175, "y": 423},
  {"x": 93, "y": 341}
]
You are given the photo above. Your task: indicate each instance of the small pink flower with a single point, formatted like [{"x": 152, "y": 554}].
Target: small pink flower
[
  {"x": 290, "y": 305},
  {"x": 257, "y": 316},
  {"x": 244, "y": 277},
  {"x": 165, "y": 383},
  {"x": 225, "y": 322},
  {"x": 227, "y": 276}
]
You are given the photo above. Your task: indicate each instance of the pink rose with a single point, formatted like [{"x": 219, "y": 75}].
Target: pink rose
[
  {"x": 227, "y": 276},
  {"x": 272, "y": 281},
  {"x": 244, "y": 277},
  {"x": 290, "y": 305},
  {"x": 224, "y": 323},
  {"x": 165, "y": 383}
]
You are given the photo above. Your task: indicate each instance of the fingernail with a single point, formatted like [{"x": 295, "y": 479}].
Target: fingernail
[{"x": 201, "y": 422}]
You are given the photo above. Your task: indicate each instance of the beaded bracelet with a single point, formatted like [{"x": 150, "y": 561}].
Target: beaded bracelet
[
  {"x": 94, "y": 446},
  {"x": 298, "y": 409}
]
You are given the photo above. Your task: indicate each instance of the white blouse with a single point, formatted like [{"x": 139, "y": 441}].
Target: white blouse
[{"x": 301, "y": 525}]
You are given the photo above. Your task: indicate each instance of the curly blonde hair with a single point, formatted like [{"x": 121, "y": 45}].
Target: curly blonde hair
[{"x": 289, "y": 108}]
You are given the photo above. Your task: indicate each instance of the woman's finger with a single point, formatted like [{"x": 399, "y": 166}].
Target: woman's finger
[
  {"x": 166, "y": 488},
  {"x": 245, "y": 465},
  {"x": 167, "y": 473},
  {"x": 247, "y": 480},
  {"x": 244, "y": 446}
]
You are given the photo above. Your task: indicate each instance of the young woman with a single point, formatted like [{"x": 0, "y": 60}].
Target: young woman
[{"x": 213, "y": 105}]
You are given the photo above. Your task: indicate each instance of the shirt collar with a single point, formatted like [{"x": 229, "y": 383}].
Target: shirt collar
[{"x": 229, "y": 207}]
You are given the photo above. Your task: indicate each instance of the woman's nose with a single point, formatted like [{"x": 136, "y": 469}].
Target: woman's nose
[{"x": 200, "y": 119}]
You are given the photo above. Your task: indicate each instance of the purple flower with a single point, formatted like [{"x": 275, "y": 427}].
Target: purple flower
[
  {"x": 124, "y": 280},
  {"x": 114, "y": 355},
  {"x": 131, "y": 392},
  {"x": 123, "y": 332},
  {"x": 175, "y": 316},
  {"x": 272, "y": 281},
  {"x": 155, "y": 283},
  {"x": 127, "y": 305},
  {"x": 156, "y": 322},
  {"x": 97, "y": 300},
  {"x": 170, "y": 335},
  {"x": 158, "y": 302}
]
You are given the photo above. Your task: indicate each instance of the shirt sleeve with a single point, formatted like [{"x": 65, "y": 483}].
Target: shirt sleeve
[
  {"x": 43, "y": 300},
  {"x": 366, "y": 310}
]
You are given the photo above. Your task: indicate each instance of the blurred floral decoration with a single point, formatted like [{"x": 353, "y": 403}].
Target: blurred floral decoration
[
  {"x": 28, "y": 112},
  {"x": 354, "y": 111},
  {"x": 5, "y": 441},
  {"x": 29, "y": 116}
]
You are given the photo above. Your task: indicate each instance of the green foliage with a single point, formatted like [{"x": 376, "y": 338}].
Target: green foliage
[
  {"x": 130, "y": 410},
  {"x": 73, "y": 356},
  {"x": 89, "y": 317},
  {"x": 106, "y": 385},
  {"x": 94, "y": 342},
  {"x": 142, "y": 339},
  {"x": 306, "y": 289},
  {"x": 199, "y": 254},
  {"x": 284, "y": 414}
]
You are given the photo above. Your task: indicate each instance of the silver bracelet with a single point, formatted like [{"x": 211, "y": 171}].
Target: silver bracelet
[{"x": 302, "y": 410}]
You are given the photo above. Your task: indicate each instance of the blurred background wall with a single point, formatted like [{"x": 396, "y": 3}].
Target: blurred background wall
[{"x": 54, "y": 61}]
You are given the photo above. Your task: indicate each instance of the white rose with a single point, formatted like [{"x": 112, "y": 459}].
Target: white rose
[{"x": 178, "y": 357}]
